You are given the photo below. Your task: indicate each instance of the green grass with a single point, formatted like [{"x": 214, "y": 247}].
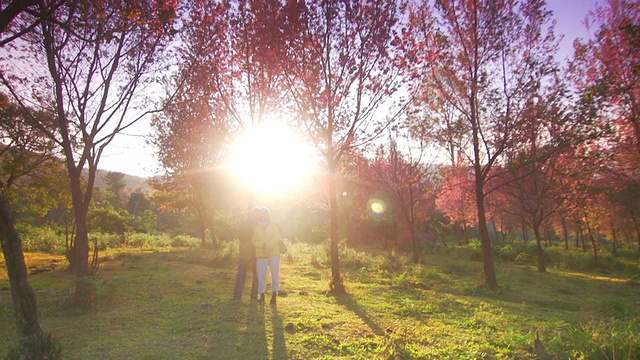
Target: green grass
[{"x": 176, "y": 304}]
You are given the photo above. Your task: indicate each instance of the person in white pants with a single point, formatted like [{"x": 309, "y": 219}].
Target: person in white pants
[{"x": 266, "y": 238}]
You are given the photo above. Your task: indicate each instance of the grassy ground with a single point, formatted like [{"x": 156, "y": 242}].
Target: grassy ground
[{"x": 177, "y": 305}]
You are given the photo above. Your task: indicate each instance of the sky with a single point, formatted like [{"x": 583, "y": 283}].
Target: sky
[{"x": 129, "y": 153}]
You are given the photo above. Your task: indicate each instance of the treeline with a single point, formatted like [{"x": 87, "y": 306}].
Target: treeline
[{"x": 383, "y": 198}]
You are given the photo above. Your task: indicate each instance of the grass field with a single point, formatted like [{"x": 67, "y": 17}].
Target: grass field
[{"x": 176, "y": 304}]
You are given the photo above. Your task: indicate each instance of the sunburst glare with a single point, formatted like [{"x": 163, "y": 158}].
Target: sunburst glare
[{"x": 271, "y": 159}]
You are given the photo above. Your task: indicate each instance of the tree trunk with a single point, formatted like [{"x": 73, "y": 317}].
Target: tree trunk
[
  {"x": 594, "y": 243},
  {"x": 207, "y": 232},
  {"x": 614, "y": 238},
  {"x": 84, "y": 294},
  {"x": 637, "y": 232},
  {"x": 542, "y": 267},
  {"x": 547, "y": 236},
  {"x": 487, "y": 251},
  {"x": 525, "y": 232},
  {"x": 81, "y": 244},
  {"x": 336, "y": 285},
  {"x": 414, "y": 243},
  {"x": 565, "y": 233},
  {"x": 34, "y": 343},
  {"x": 495, "y": 228},
  {"x": 580, "y": 239}
]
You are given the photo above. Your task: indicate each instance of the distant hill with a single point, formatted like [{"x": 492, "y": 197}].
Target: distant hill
[{"x": 133, "y": 182}]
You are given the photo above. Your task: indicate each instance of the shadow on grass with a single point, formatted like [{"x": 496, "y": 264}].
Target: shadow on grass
[
  {"x": 351, "y": 304},
  {"x": 279, "y": 343},
  {"x": 252, "y": 340},
  {"x": 192, "y": 306}
]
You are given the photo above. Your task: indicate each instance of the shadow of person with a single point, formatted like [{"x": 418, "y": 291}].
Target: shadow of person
[
  {"x": 351, "y": 304},
  {"x": 252, "y": 339},
  {"x": 279, "y": 342}
]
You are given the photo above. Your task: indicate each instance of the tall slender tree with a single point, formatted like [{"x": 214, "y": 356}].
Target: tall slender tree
[
  {"x": 23, "y": 152},
  {"x": 484, "y": 59},
  {"x": 340, "y": 75},
  {"x": 230, "y": 81},
  {"x": 21, "y": 145},
  {"x": 606, "y": 73},
  {"x": 404, "y": 176},
  {"x": 91, "y": 65},
  {"x": 605, "y": 68}
]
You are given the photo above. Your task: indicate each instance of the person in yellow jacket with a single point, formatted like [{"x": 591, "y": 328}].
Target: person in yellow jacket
[{"x": 266, "y": 238}]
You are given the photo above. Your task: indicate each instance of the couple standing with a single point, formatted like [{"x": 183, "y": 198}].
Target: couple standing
[{"x": 259, "y": 252}]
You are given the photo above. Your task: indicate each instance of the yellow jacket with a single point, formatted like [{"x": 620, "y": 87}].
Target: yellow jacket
[{"x": 266, "y": 239}]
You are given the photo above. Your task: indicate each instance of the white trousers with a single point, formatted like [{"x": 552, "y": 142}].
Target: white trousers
[{"x": 273, "y": 263}]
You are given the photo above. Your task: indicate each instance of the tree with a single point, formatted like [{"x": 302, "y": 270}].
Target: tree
[
  {"x": 20, "y": 147},
  {"x": 605, "y": 72},
  {"x": 340, "y": 73},
  {"x": 606, "y": 68},
  {"x": 98, "y": 58},
  {"x": 116, "y": 184},
  {"x": 532, "y": 180},
  {"x": 23, "y": 152},
  {"x": 404, "y": 177},
  {"x": 35, "y": 11},
  {"x": 138, "y": 203},
  {"x": 229, "y": 82},
  {"x": 625, "y": 203},
  {"x": 456, "y": 198},
  {"x": 484, "y": 59}
]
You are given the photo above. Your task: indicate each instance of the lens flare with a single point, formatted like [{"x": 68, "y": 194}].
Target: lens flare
[{"x": 377, "y": 206}]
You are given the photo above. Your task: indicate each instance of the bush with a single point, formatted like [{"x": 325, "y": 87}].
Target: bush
[
  {"x": 41, "y": 239},
  {"x": 507, "y": 253},
  {"x": 350, "y": 257},
  {"x": 304, "y": 253},
  {"x": 473, "y": 250},
  {"x": 610, "y": 339},
  {"x": 185, "y": 241},
  {"x": 616, "y": 307},
  {"x": 105, "y": 241},
  {"x": 569, "y": 259},
  {"x": 524, "y": 258},
  {"x": 141, "y": 240}
]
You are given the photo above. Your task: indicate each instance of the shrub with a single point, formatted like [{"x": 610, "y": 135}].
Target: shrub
[
  {"x": 185, "y": 241},
  {"x": 41, "y": 239},
  {"x": 610, "y": 339},
  {"x": 141, "y": 240},
  {"x": 472, "y": 251},
  {"x": 304, "y": 253},
  {"x": 227, "y": 251},
  {"x": 507, "y": 252},
  {"x": 105, "y": 241},
  {"x": 349, "y": 257},
  {"x": 523, "y": 258},
  {"x": 616, "y": 307},
  {"x": 572, "y": 260}
]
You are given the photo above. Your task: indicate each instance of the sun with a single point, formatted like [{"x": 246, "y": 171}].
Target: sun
[{"x": 271, "y": 159}]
